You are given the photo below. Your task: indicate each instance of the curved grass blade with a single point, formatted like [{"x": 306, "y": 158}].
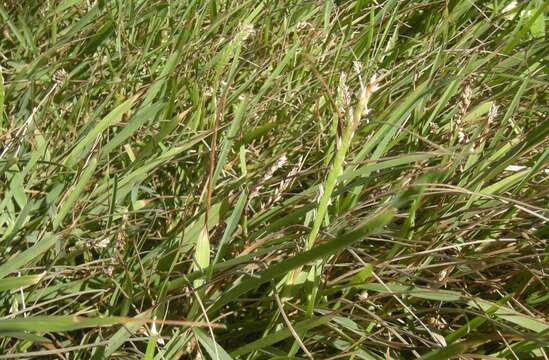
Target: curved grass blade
[
  {"x": 370, "y": 226},
  {"x": 15, "y": 263},
  {"x": 11, "y": 283},
  {"x": 112, "y": 118}
]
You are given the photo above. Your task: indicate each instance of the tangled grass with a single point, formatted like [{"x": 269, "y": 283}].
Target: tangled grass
[{"x": 273, "y": 179}]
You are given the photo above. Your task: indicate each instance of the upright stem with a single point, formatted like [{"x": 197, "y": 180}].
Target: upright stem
[{"x": 339, "y": 159}]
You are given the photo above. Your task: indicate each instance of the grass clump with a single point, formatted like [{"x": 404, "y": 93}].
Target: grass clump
[{"x": 273, "y": 179}]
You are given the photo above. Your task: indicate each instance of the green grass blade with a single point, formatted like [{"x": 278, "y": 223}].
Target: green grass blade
[
  {"x": 16, "y": 262},
  {"x": 281, "y": 335},
  {"x": 75, "y": 193},
  {"x": 112, "y": 118},
  {"x": 371, "y": 226},
  {"x": 11, "y": 283},
  {"x": 212, "y": 348}
]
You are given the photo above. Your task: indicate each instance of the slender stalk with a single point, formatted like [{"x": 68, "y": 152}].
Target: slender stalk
[{"x": 339, "y": 159}]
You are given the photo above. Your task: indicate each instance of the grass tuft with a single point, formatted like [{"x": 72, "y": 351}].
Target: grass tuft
[{"x": 273, "y": 179}]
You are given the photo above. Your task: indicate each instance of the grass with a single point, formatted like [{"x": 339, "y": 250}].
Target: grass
[{"x": 273, "y": 179}]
